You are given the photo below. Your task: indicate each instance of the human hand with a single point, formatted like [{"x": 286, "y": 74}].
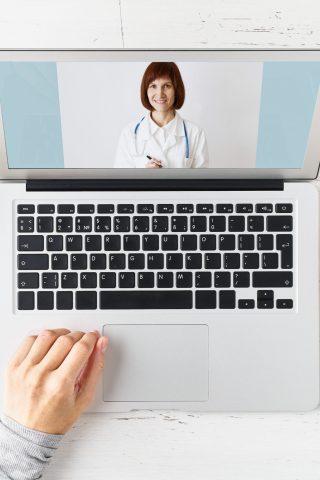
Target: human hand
[
  {"x": 153, "y": 163},
  {"x": 51, "y": 379}
]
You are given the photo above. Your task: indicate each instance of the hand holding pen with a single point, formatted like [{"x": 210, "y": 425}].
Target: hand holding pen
[{"x": 153, "y": 162}]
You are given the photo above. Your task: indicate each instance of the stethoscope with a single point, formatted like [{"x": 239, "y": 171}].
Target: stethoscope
[{"x": 185, "y": 134}]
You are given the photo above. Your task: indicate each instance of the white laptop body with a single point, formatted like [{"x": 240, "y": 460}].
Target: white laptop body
[{"x": 219, "y": 358}]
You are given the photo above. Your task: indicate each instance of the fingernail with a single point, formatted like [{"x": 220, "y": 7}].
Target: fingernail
[{"x": 103, "y": 345}]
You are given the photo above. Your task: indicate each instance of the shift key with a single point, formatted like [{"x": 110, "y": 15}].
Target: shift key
[
  {"x": 33, "y": 262},
  {"x": 272, "y": 279}
]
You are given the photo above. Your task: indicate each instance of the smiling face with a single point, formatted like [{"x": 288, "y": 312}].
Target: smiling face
[{"x": 161, "y": 94}]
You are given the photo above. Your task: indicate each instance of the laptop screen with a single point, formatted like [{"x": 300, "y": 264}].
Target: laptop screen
[{"x": 120, "y": 114}]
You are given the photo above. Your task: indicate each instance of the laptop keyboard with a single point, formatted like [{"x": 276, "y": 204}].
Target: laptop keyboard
[{"x": 228, "y": 256}]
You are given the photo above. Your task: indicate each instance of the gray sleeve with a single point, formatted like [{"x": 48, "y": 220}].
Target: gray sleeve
[{"x": 24, "y": 453}]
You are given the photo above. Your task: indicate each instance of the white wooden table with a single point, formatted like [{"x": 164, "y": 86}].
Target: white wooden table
[{"x": 169, "y": 445}]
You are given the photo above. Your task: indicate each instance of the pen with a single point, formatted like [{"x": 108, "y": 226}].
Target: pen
[{"x": 150, "y": 158}]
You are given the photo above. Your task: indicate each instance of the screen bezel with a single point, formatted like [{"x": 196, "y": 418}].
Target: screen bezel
[{"x": 309, "y": 170}]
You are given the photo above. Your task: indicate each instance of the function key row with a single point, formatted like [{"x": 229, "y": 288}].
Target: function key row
[{"x": 29, "y": 209}]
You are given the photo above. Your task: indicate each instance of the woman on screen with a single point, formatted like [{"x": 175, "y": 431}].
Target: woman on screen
[{"x": 162, "y": 138}]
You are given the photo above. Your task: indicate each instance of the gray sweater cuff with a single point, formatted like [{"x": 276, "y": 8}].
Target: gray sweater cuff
[{"x": 24, "y": 453}]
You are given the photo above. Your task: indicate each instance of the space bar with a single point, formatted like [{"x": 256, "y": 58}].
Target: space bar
[{"x": 156, "y": 299}]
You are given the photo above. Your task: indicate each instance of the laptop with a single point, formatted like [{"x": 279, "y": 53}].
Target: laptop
[{"x": 166, "y": 198}]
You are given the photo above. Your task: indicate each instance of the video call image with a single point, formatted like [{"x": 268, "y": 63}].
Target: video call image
[{"x": 156, "y": 115}]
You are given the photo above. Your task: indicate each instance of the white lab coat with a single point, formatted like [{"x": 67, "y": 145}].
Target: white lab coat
[{"x": 167, "y": 144}]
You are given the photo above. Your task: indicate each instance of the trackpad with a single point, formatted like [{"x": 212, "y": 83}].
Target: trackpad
[{"x": 156, "y": 363}]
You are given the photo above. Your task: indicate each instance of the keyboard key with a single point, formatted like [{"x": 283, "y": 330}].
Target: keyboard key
[
  {"x": 164, "y": 279},
  {"x": 174, "y": 261},
  {"x": 69, "y": 280},
  {"x": 83, "y": 224},
  {"x": 145, "y": 279},
  {"x": 79, "y": 261},
  {"x": 185, "y": 208},
  {"x": 93, "y": 243},
  {"x": 88, "y": 280},
  {"x": 86, "y": 300},
  {"x": 250, "y": 260},
  {"x": 161, "y": 299},
  {"x": 33, "y": 261},
  {"x": 227, "y": 299},
  {"x": 155, "y": 261},
  {"x": 102, "y": 224},
  {"x": 279, "y": 223},
  {"x": 54, "y": 243},
  {"x": 85, "y": 208},
  {"x": 59, "y": 261},
  {"x": 284, "y": 303},
  {"x": 108, "y": 280},
  {"x": 179, "y": 224},
  {"x": 126, "y": 280},
  {"x": 64, "y": 224},
  {"x": 265, "y": 304},
  {"x": 64, "y": 300},
  {"x": 25, "y": 301},
  {"x": 198, "y": 224},
  {"x": 236, "y": 223},
  {"x": 45, "y": 301},
  {"x": 203, "y": 279},
  {"x": 241, "y": 279},
  {"x": 255, "y": 223},
  {"x": 26, "y": 209},
  {"x": 105, "y": 208},
  {"x": 98, "y": 261},
  {"x": 272, "y": 279},
  {"x": 66, "y": 208},
  {"x": 165, "y": 208},
  {"x": 169, "y": 242},
  {"x": 50, "y": 280},
  {"x": 224, "y": 208},
  {"x": 231, "y": 260},
  {"x": 212, "y": 261},
  {"x": 283, "y": 207},
  {"x": 136, "y": 261},
  {"x": 264, "y": 208},
  {"x": 183, "y": 279},
  {"x": 246, "y": 303},
  {"x": 125, "y": 208},
  {"x": 140, "y": 224},
  {"x": 150, "y": 242},
  {"x": 160, "y": 224},
  {"x": 204, "y": 208},
  {"x": 112, "y": 243},
  {"x": 25, "y": 224},
  {"x": 121, "y": 224},
  {"x": 206, "y": 299},
  {"x": 45, "y": 224},
  {"x": 217, "y": 223},
  {"x": 244, "y": 208},
  {"x": 131, "y": 243},
  {"x": 207, "y": 242},
  {"x": 73, "y": 243},
  {"x": 46, "y": 208},
  {"x": 284, "y": 244},
  {"x": 30, "y": 243},
  {"x": 265, "y": 242},
  {"x": 117, "y": 261},
  {"x": 227, "y": 242},
  {"x": 265, "y": 294},
  {"x": 145, "y": 208},
  {"x": 193, "y": 260},
  {"x": 246, "y": 242},
  {"x": 28, "y": 280},
  {"x": 222, "y": 279},
  {"x": 188, "y": 242},
  {"x": 269, "y": 261}
]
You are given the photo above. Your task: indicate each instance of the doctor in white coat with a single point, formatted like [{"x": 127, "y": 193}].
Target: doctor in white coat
[{"x": 161, "y": 138}]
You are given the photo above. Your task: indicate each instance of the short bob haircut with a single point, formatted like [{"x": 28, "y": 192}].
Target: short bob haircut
[{"x": 159, "y": 70}]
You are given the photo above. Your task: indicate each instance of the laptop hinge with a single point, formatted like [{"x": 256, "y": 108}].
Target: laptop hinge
[{"x": 153, "y": 185}]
